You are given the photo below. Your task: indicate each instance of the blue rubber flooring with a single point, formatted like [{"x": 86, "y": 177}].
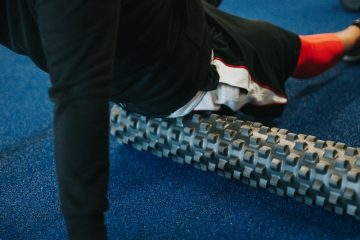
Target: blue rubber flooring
[{"x": 154, "y": 198}]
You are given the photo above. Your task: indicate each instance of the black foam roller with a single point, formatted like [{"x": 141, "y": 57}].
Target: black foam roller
[{"x": 313, "y": 171}]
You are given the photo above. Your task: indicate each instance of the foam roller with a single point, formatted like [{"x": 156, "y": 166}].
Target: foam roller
[{"x": 316, "y": 172}]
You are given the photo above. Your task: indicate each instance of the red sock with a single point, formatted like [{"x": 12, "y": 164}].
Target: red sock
[{"x": 318, "y": 53}]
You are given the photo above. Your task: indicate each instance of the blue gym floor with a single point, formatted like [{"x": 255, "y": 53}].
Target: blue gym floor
[{"x": 153, "y": 198}]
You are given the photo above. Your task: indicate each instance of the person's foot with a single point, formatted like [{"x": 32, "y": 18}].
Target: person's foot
[
  {"x": 351, "y": 5},
  {"x": 354, "y": 53}
]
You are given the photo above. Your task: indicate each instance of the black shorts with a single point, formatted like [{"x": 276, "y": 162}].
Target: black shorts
[{"x": 269, "y": 53}]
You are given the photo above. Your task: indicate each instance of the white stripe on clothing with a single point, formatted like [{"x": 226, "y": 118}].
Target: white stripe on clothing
[{"x": 231, "y": 79}]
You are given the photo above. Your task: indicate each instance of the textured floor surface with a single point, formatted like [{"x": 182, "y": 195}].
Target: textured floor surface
[{"x": 153, "y": 198}]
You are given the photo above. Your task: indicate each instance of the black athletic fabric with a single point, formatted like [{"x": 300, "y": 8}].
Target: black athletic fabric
[
  {"x": 165, "y": 51},
  {"x": 269, "y": 52},
  {"x": 161, "y": 53},
  {"x": 215, "y": 3},
  {"x": 76, "y": 42}
]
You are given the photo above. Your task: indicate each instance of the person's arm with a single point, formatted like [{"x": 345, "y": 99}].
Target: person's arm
[{"x": 79, "y": 41}]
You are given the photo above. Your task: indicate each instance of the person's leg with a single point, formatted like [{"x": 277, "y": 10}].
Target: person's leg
[{"x": 321, "y": 51}]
